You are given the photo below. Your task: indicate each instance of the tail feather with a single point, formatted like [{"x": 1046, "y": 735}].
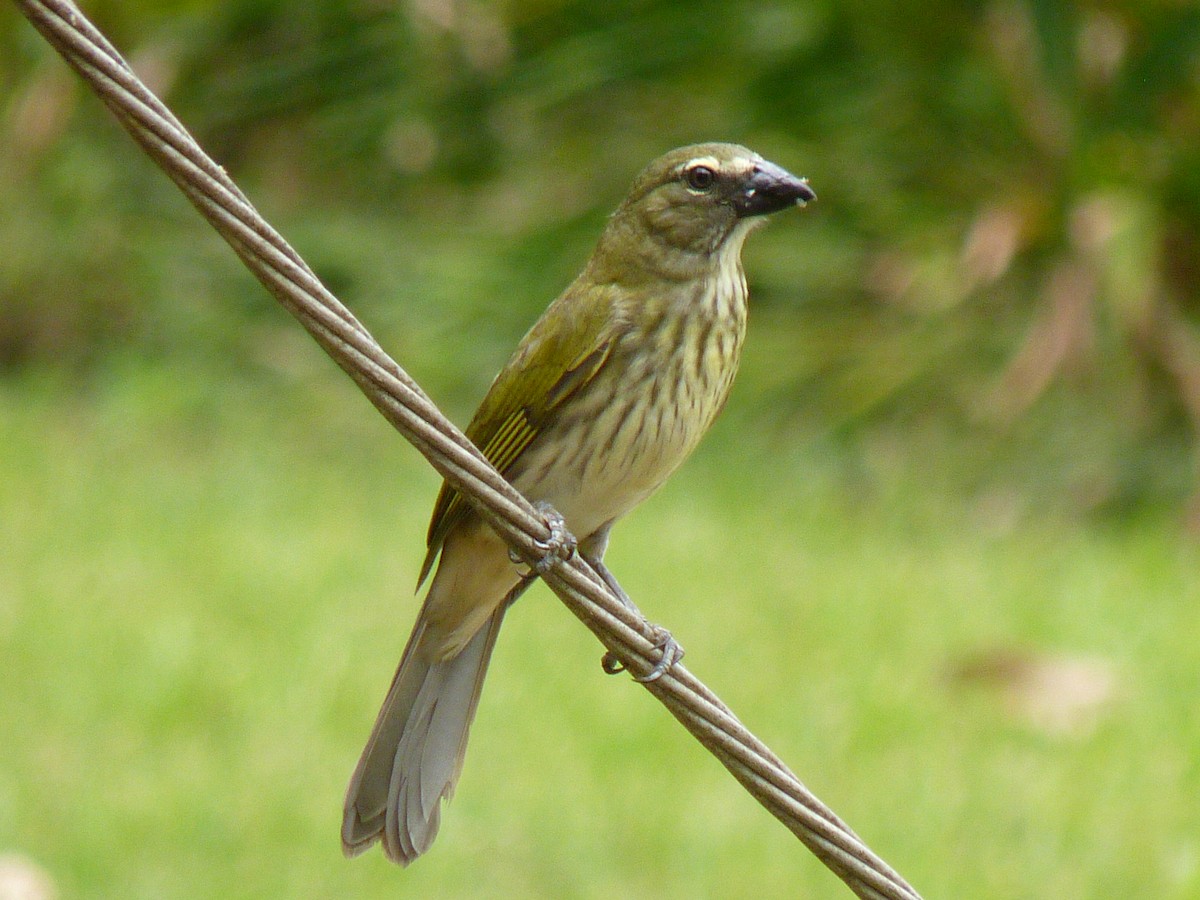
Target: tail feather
[{"x": 415, "y": 753}]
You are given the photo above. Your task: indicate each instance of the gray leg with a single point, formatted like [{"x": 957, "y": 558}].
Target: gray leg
[{"x": 592, "y": 551}]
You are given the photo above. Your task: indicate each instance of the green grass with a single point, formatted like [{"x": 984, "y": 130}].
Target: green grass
[{"x": 204, "y": 589}]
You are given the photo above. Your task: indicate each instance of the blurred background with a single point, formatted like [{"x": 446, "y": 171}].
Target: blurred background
[{"x": 940, "y": 550}]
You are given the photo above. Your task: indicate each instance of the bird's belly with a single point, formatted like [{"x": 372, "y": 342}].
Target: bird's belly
[{"x": 607, "y": 457}]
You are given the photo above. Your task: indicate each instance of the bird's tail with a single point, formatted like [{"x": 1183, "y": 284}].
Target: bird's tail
[{"x": 415, "y": 752}]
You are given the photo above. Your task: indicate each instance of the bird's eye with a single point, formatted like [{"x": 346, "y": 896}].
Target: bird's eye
[{"x": 700, "y": 178}]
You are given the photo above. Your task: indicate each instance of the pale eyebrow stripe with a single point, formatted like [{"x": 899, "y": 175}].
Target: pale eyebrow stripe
[{"x": 711, "y": 161}]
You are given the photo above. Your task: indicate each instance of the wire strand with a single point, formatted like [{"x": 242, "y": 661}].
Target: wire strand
[{"x": 402, "y": 402}]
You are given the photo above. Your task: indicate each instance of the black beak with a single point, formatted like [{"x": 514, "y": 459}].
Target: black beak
[{"x": 770, "y": 189}]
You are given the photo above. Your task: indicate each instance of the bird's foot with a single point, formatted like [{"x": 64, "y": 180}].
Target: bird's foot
[
  {"x": 670, "y": 652},
  {"x": 559, "y": 545}
]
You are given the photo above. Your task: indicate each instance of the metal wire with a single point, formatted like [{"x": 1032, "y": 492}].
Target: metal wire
[{"x": 413, "y": 414}]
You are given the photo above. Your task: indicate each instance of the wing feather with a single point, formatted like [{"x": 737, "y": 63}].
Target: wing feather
[{"x": 542, "y": 374}]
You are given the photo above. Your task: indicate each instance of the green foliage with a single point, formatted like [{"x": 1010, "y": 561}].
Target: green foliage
[{"x": 1004, "y": 251}]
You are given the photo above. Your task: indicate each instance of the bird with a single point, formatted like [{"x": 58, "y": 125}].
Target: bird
[{"x": 603, "y": 398}]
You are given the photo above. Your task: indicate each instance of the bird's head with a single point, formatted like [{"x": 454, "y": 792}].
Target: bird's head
[
  {"x": 692, "y": 203},
  {"x": 692, "y": 200}
]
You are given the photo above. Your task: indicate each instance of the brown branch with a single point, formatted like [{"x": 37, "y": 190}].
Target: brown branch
[{"x": 401, "y": 401}]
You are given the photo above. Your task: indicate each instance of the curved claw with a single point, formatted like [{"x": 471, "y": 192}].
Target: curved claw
[
  {"x": 559, "y": 545},
  {"x": 670, "y": 651}
]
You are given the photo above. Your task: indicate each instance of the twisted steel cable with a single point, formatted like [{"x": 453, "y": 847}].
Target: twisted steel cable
[{"x": 402, "y": 402}]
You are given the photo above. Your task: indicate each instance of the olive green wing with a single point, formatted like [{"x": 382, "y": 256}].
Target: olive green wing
[{"x": 559, "y": 356}]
